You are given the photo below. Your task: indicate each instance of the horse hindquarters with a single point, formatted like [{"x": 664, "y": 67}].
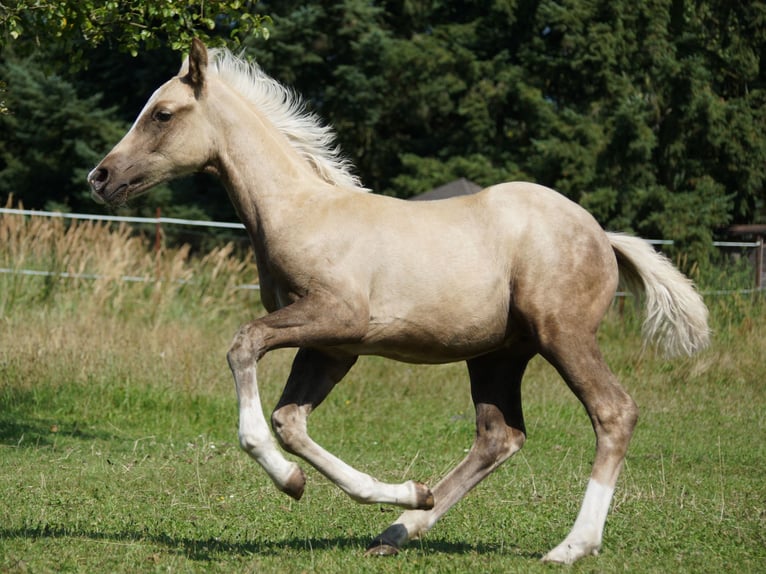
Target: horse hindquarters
[
  {"x": 677, "y": 318},
  {"x": 562, "y": 305}
]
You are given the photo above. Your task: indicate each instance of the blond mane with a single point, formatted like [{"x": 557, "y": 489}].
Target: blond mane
[{"x": 314, "y": 141}]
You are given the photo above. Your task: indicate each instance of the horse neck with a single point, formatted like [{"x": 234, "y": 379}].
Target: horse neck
[{"x": 260, "y": 170}]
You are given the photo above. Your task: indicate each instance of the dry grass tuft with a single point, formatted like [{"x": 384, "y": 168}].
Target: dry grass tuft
[{"x": 97, "y": 266}]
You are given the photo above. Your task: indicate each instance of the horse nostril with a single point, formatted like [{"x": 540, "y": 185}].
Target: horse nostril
[{"x": 98, "y": 178}]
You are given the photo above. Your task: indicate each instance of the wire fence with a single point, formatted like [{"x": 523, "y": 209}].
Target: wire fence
[
  {"x": 159, "y": 221},
  {"x": 123, "y": 219}
]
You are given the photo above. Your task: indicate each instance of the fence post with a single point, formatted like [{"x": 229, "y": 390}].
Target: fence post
[
  {"x": 158, "y": 232},
  {"x": 157, "y": 244},
  {"x": 759, "y": 262}
]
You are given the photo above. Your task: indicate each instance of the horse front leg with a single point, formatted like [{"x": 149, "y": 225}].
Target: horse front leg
[
  {"x": 318, "y": 320},
  {"x": 313, "y": 376},
  {"x": 255, "y": 436},
  {"x": 285, "y": 327}
]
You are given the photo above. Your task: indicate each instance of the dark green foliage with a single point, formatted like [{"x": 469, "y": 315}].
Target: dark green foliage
[
  {"x": 650, "y": 114},
  {"x": 75, "y": 26},
  {"x": 51, "y": 138}
]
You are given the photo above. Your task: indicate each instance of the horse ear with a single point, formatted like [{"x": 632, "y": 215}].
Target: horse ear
[{"x": 197, "y": 65}]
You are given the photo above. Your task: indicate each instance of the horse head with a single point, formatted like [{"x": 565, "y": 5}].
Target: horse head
[{"x": 170, "y": 138}]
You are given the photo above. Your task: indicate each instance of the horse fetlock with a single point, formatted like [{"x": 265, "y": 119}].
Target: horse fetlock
[
  {"x": 424, "y": 498},
  {"x": 295, "y": 484},
  {"x": 253, "y": 444}
]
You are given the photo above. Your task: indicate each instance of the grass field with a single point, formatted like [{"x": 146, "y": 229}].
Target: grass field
[{"x": 118, "y": 449}]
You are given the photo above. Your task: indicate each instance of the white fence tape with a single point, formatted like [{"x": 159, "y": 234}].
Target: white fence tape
[
  {"x": 93, "y": 276},
  {"x": 122, "y": 218},
  {"x": 234, "y": 225}
]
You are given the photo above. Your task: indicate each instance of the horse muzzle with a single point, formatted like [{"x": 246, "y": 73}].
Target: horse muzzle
[{"x": 104, "y": 189}]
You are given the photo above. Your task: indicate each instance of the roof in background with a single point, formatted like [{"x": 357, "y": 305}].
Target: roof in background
[{"x": 460, "y": 186}]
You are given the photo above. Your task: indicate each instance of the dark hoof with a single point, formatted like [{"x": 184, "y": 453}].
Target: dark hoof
[
  {"x": 382, "y": 549},
  {"x": 295, "y": 484},
  {"x": 389, "y": 542},
  {"x": 425, "y": 498}
]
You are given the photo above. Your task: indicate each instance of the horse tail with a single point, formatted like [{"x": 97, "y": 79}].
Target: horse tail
[{"x": 676, "y": 317}]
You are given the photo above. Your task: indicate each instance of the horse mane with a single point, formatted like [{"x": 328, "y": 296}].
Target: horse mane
[{"x": 286, "y": 110}]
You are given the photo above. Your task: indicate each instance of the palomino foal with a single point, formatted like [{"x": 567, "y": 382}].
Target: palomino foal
[{"x": 492, "y": 279}]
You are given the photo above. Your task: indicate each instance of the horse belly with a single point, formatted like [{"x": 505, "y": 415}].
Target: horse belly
[{"x": 451, "y": 329}]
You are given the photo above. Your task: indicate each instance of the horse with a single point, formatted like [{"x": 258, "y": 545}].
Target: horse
[{"x": 493, "y": 279}]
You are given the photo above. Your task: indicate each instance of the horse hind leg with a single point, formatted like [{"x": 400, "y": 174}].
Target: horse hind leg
[
  {"x": 613, "y": 414},
  {"x": 500, "y": 432}
]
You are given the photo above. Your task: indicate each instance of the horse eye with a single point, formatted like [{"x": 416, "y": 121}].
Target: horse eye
[{"x": 163, "y": 115}]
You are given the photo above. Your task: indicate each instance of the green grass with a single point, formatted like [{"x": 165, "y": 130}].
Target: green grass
[{"x": 118, "y": 449}]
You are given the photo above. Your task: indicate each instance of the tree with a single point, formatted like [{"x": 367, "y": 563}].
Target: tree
[
  {"x": 129, "y": 25},
  {"x": 676, "y": 89},
  {"x": 649, "y": 114},
  {"x": 70, "y": 32},
  {"x": 51, "y": 139},
  {"x": 399, "y": 82}
]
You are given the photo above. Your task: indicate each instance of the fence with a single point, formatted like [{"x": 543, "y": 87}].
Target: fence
[{"x": 158, "y": 221}]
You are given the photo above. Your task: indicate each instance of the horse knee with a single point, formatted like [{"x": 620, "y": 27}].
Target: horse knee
[
  {"x": 289, "y": 424},
  {"x": 245, "y": 348}
]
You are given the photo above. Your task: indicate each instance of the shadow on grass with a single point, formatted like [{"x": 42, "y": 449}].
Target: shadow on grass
[
  {"x": 35, "y": 433},
  {"x": 212, "y": 548},
  {"x": 29, "y": 432},
  {"x": 22, "y": 426}
]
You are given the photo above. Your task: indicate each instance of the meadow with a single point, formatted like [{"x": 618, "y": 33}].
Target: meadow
[{"x": 118, "y": 441}]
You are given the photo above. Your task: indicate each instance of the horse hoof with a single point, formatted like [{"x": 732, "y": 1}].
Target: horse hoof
[
  {"x": 569, "y": 553},
  {"x": 381, "y": 549},
  {"x": 295, "y": 483},
  {"x": 388, "y": 542},
  {"x": 424, "y": 498}
]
